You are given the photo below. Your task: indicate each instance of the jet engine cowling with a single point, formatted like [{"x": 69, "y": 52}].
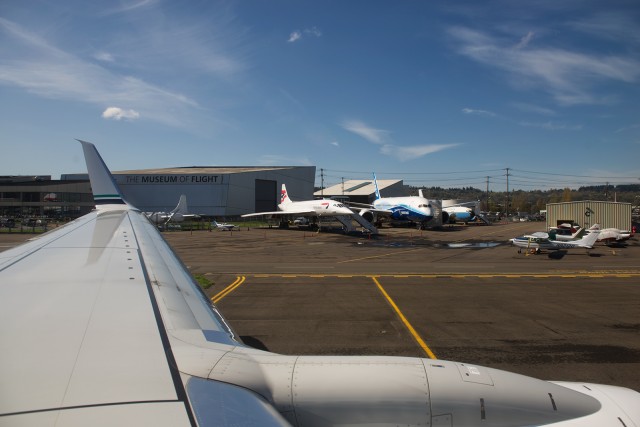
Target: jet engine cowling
[{"x": 368, "y": 215}]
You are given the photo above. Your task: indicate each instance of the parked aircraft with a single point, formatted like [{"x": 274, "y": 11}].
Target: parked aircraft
[
  {"x": 611, "y": 235},
  {"x": 178, "y": 214},
  {"x": 223, "y": 226},
  {"x": 455, "y": 213},
  {"x": 540, "y": 240},
  {"x": 117, "y": 332},
  {"x": 408, "y": 208},
  {"x": 566, "y": 232}
]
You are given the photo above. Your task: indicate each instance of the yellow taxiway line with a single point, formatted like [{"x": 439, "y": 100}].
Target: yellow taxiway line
[
  {"x": 404, "y": 320},
  {"x": 226, "y": 291}
]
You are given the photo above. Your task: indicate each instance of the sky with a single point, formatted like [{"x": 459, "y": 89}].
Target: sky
[{"x": 449, "y": 94}]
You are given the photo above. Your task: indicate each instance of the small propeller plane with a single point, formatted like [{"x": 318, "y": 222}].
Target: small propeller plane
[
  {"x": 223, "y": 226},
  {"x": 611, "y": 235},
  {"x": 541, "y": 240}
]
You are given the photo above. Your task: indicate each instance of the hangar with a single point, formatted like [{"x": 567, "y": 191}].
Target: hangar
[
  {"x": 215, "y": 191},
  {"x": 210, "y": 191},
  {"x": 362, "y": 191},
  {"x": 589, "y": 212}
]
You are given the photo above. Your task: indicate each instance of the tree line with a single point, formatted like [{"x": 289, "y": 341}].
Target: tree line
[{"x": 533, "y": 201}]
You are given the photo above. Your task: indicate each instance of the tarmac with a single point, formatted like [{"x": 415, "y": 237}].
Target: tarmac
[{"x": 462, "y": 293}]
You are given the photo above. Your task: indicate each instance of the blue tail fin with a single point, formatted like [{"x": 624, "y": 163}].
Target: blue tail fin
[
  {"x": 375, "y": 183},
  {"x": 104, "y": 188}
]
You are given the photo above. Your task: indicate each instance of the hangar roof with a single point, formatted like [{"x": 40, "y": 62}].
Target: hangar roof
[
  {"x": 190, "y": 170},
  {"x": 357, "y": 187}
]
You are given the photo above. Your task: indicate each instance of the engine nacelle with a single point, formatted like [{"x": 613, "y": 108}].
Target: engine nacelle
[{"x": 368, "y": 215}]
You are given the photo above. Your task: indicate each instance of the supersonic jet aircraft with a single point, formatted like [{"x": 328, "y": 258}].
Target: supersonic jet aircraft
[
  {"x": 102, "y": 324},
  {"x": 320, "y": 207}
]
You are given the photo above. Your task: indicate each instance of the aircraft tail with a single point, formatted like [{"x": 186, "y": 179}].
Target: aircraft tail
[
  {"x": 284, "y": 196},
  {"x": 375, "y": 183},
  {"x": 420, "y": 193},
  {"x": 104, "y": 187},
  {"x": 589, "y": 240},
  {"x": 182, "y": 207}
]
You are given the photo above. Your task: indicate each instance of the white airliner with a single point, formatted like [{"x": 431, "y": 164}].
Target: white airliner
[
  {"x": 458, "y": 213},
  {"x": 101, "y": 324},
  {"x": 224, "y": 226},
  {"x": 455, "y": 213},
  {"x": 320, "y": 207},
  {"x": 408, "y": 208},
  {"x": 541, "y": 240},
  {"x": 178, "y": 214}
]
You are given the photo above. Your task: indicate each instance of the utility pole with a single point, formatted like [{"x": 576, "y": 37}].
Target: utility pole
[
  {"x": 507, "y": 207},
  {"x": 487, "y": 207},
  {"x": 342, "y": 185},
  {"x": 322, "y": 182}
]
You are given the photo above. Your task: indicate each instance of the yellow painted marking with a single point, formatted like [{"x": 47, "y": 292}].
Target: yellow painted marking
[
  {"x": 459, "y": 275},
  {"x": 378, "y": 256},
  {"x": 413, "y": 332},
  {"x": 226, "y": 291}
]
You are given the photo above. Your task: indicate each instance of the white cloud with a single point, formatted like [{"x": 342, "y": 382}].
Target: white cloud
[
  {"x": 104, "y": 57},
  {"x": 524, "y": 41},
  {"x": 551, "y": 126},
  {"x": 413, "y": 152},
  {"x": 294, "y": 36},
  {"x": 568, "y": 76},
  {"x": 380, "y": 137},
  {"x": 376, "y": 136},
  {"x": 529, "y": 108},
  {"x": 297, "y": 34},
  {"x": 43, "y": 69},
  {"x": 116, "y": 113},
  {"x": 335, "y": 143},
  {"x": 313, "y": 32},
  {"x": 478, "y": 112}
]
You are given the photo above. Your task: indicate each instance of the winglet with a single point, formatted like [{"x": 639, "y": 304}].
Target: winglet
[{"x": 105, "y": 190}]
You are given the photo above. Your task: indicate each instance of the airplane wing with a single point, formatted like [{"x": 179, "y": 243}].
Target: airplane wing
[
  {"x": 302, "y": 212},
  {"x": 100, "y": 324}
]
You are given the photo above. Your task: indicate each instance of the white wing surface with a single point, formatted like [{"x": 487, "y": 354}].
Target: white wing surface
[
  {"x": 93, "y": 317},
  {"x": 301, "y": 212}
]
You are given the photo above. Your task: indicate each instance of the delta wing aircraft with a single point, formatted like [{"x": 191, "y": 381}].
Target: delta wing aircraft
[
  {"x": 409, "y": 208},
  {"x": 320, "y": 207},
  {"x": 178, "y": 214},
  {"x": 316, "y": 208},
  {"x": 541, "y": 240},
  {"x": 101, "y": 324}
]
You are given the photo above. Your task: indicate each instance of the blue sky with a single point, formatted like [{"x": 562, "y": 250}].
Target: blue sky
[{"x": 434, "y": 93}]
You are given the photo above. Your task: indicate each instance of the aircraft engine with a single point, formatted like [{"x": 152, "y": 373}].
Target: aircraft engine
[
  {"x": 368, "y": 215},
  {"x": 445, "y": 217}
]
